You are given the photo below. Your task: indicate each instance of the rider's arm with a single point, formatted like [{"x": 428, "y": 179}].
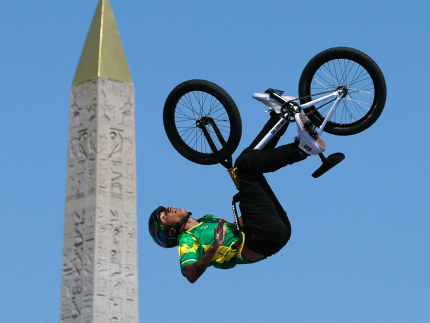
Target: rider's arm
[{"x": 195, "y": 270}]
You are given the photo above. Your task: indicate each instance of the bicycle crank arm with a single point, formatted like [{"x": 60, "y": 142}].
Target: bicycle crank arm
[{"x": 328, "y": 163}]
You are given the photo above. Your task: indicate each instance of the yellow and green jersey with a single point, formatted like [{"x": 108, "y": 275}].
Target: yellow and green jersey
[{"x": 196, "y": 241}]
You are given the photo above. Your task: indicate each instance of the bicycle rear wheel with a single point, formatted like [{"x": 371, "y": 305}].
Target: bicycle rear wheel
[
  {"x": 367, "y": 91},
  {"x": 191, "y": 102}
]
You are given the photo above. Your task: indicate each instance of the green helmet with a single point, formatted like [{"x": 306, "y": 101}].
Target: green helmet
[{"x": 160, "y": 233}]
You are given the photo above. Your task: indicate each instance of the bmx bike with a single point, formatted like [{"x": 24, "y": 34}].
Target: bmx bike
[{"x": 203, "y": 123}]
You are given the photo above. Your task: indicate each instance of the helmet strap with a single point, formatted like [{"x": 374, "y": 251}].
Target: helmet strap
[{"x": 177, "y": 226}]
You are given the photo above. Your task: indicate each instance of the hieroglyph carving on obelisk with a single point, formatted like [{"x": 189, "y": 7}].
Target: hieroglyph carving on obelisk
[{"x": 99, "y": 278}]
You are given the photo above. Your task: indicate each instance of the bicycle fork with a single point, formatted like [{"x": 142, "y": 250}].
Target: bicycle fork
[{"x": 202, "y": 123}]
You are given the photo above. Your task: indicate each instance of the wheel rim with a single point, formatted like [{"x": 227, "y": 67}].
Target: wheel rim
[
  {"x": 190, "y": 109},
  {"x": 359, "y": 102}
]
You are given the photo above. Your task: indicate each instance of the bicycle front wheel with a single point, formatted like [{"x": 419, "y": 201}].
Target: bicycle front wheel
[
  {"x": 191, "y": 102},
  {"x": 348, "y": 67}
]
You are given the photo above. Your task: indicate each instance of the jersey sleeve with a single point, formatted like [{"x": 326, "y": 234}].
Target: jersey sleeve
[{"x": 190, "y": 250}]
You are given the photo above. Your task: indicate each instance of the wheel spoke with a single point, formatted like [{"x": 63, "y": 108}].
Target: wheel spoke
[
  {"x": 194, "y": 105},
  {"x": 361, "y": 93},
  {"x": 183, "y": 115}
]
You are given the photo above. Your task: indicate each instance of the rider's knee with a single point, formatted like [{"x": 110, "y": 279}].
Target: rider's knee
[{"x": 241, "y": 161}]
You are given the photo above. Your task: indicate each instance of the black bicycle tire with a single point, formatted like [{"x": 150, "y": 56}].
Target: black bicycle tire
[
  {"x": 225, "y": 100},
  {"x": 369, "y": 65}
]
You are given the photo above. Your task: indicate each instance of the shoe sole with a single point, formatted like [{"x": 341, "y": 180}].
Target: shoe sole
[{"x": 318, "y": 140}]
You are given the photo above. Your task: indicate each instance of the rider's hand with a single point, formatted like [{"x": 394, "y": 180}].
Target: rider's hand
[{"x": 219, "y": 233}]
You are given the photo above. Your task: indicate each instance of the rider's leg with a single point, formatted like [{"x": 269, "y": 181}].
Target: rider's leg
[
  {"x": 266, "y": 225},
  {"x": 270, "y": 160},
  {"x": 267, "y": 228}
]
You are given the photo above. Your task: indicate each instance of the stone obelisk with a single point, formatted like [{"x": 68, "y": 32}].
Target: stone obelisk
[{"x": 99, "y": 274}]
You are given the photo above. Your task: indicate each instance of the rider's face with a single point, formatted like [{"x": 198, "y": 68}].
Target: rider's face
[{"x": 172, "y": 215}]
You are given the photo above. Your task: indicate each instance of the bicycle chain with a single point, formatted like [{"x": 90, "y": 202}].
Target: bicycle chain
[{"x": 308, "y": 96}]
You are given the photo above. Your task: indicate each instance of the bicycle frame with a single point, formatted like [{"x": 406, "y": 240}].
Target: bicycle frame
[
  {"x": 281, "y": 123},
  {"x": 289, "y": 110}
]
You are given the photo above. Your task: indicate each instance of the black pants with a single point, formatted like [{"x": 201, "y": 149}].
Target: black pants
[{"x": 266, "y": 225}]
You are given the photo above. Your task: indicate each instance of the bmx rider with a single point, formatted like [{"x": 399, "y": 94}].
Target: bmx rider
[{"x": 207, "y": 241}]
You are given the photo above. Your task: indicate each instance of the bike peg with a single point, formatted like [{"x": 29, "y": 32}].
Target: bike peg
[{"x": 328, "y": 163}]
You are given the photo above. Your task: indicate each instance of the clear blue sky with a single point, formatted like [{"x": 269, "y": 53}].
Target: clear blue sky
[{"x": 360, "y": 246}]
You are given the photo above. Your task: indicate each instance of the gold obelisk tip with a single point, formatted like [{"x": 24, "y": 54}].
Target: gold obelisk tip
[{"x": 103, "y": 54}]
